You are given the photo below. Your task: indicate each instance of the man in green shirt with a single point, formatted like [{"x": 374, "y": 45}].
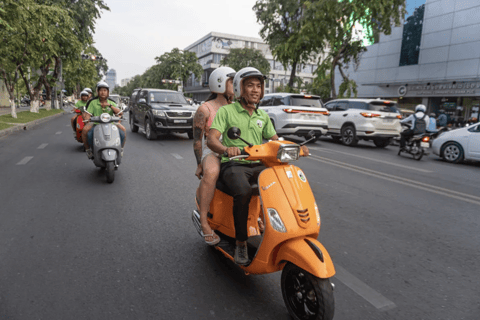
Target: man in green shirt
[
  {"x": 95, "y": 107},
  {"x": 255, "y": 125},
  {"x": 79, "y": 105}
]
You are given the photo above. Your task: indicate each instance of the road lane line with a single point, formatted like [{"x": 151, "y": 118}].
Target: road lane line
[
  {"x": 377, "y": 160},
  {"x": 363, "y": 290},
  {"x": 176, "y": 155},
  {"x": 42, "y": 146},
  {"x": 24, "y": 161},
  {"x": 58, "y": 132},
  {"x": 407, "y": 182}
]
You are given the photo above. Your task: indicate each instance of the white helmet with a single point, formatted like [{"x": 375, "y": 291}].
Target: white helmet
[
  {"x": 84, "y": 93},
  {"x": 246, "y": 73},
  {"x": 102, "y": 84},
  {"x": 420, "y": 108},
  {"x": 88, "y": 90},
  {"x": 218, "y": 79}
]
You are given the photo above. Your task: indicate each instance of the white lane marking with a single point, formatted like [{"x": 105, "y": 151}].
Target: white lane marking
[
  {"x": 68, "y": 125},
  {"x": 376, "y": 160},
  {"x": 58, "y": 132},
  {"x": 24, "y": 161},
  {"x": 176, "y": 155},
  {"x": 407, "y": 182},
  {"x": 42, "y": 146},
  {"x": 363, "y": 290}
]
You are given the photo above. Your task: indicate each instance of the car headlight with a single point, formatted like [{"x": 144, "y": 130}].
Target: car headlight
[
  {"x": 193, "y": 114},
  {"x": 159, "y": 113},
  {"x": 105, "y": 117},
  {"x": 288, "y": 153},
  {"x": 276, "y": 221}
]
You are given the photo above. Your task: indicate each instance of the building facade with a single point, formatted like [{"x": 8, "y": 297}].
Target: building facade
[
  {"x": 111, "y": 78},
  {"x": 433, "y": 59},
  {"x": 213, "y": 47},
  {"x": 125, "y": 81}
]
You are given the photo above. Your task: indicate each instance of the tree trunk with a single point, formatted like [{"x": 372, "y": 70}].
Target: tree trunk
[
  {"x": 292, "y": 75},
  {"x": 333, "y": 93},
  {"x": 48, "y": 104},
  {"x": 10, "y": 85}
]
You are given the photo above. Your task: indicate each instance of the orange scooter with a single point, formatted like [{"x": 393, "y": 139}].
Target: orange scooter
[
  {"x": 284, "y": 201},
  {"x": 79, "y": 124}
]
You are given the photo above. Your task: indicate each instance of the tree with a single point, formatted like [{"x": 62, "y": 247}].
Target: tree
[
  {"x": 283, "y": 30},
  {"x": 337, "y": 21},
  {"x": 177, "y": 64},
  {"x": 246, "y": 57}
]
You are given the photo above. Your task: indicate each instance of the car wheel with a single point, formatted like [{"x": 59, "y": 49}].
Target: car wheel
[
  {"x": 349, "y": 136},
  {"x": 381, "y": 143},
  {"x": 452, "y": 152},
  {"x": 149, "y": 134},
  {"x": 133, "y": 127}
]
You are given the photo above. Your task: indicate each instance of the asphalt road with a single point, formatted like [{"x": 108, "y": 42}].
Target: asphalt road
[{"x": 403, "y": 235}]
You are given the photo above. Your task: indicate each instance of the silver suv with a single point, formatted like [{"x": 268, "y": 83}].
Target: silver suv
[
  {"x": 296, "y": 114},
  {"x": 367, "y": 119}
]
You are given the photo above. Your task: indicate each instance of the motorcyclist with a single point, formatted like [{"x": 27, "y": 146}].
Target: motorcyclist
[
  {"x": 255, "y": 125},
  {"x": 442, "y": 119},
  {"x": 97, "y": 106},
  {"x": 90, "y": 93},
  {"x": 208, "y": 163},
  {"x": 81, "y": 106},
  {"x": 432, "y": 125},
  {"x": 418, "y": 121}
]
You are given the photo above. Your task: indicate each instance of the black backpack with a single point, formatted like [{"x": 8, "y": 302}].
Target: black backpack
[{"x": 420, "y": 125}]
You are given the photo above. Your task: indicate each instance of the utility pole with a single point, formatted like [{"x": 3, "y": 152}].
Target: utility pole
[{"x": 61, "y": 83}]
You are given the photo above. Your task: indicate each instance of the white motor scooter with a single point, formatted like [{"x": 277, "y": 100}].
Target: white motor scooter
[{"x": 107, "y": 144}]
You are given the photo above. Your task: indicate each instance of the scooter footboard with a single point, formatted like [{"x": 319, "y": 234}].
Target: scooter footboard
[{"x": 308, "y": 254}]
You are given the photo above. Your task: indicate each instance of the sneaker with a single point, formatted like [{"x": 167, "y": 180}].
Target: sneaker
[
  {"x": 121, "y": 153},
  {"x": 89, "y": 153},
  {"x": 241, "y": 255}
]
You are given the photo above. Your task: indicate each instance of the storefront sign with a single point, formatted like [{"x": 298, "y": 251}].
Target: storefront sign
[{"x": 445, "y": 89}]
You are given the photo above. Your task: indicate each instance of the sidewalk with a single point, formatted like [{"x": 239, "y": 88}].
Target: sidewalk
[{"x": 25, "y": 126}]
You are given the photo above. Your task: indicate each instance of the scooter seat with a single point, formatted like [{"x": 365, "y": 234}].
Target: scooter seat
[{"x": 225, "y": 189}]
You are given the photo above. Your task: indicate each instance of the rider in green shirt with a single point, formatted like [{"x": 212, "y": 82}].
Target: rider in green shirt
[
  {"x": 95, "y": 107},
  {"x": 79, "y": 105}
]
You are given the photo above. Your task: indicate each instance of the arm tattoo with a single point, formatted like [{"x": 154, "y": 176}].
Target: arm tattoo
[{"x": 199, "y": 123}]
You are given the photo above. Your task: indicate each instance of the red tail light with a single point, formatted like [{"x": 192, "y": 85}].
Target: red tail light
[
  {"x": 426, "y": 139},
  {"x": 399, "y": 117},
  {"x": 369, "y": 115}
]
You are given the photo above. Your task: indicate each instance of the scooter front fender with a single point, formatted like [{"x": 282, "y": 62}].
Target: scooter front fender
[
  {"x": 308, "y": 254},
  {"x": 109, "y": 154}
]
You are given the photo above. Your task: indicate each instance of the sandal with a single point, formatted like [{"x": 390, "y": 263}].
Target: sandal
[{"x": 213, "y": 235}]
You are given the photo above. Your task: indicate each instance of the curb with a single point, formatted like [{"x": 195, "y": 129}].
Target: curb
[{"x": 28, "y": 125}]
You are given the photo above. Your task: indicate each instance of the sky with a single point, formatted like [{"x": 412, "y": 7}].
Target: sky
[{"x": 134, "y": 32}]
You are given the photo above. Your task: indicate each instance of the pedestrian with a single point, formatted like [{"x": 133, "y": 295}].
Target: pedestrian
[{"x": 442, "y": 119}]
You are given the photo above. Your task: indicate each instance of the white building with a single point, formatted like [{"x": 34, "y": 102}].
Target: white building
[
  {"x": 125, "y": 81},
  {"x": 434, "y": 59},
  {"x": 213, "y": 47}
]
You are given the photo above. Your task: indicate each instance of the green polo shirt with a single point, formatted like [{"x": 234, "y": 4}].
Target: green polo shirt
[
  {"x": 254, "y": 128},
  {"x": 95, "y": 108},
  {"x": 80, "y": 104}
]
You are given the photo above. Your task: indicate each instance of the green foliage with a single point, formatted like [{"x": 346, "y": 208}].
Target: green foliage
[
  {"x": 177, "y": 64},
  {"x": 347, "y": 89},
  {"x": 285, "y": 32},
  {"x": 25, "y": 116},
  {"x": 246, "y": 57},
  {"x": 321, "y": 86}
]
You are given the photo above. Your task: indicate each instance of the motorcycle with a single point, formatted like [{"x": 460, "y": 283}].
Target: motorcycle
[
  {"x": 25, "y": 101},
  {"x": 79, "y": 124},
  {"x": 106, "y": 145},
  {"x": 283, "y": 200},
  {"x": 416, "y": 145}
]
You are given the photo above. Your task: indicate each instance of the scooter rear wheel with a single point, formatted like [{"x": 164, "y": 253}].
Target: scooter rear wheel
[
  {"x": 306, "y": 296},
  {"x": 110, "y": 172}
]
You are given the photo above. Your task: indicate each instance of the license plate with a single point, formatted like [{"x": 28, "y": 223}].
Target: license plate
[
  {"x": 179, "y": 121},
  {"x": 425, "y": 145}
]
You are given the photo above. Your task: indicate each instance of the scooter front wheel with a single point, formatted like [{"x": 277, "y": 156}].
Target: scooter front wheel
[
  {"x": 306, "y": 296},
  {"x": 110, "y": 172}
]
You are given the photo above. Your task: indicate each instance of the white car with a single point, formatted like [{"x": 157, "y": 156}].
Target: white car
[
  {"x": 296, "y": 114},
  {"x": 459, "y": 144},
  {"x": 367, "y": 119}
]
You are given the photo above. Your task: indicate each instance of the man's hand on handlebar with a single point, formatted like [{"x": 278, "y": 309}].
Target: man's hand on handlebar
[
  {"x": 233, "y": 151},
  {"x": 305, "y": 150}
]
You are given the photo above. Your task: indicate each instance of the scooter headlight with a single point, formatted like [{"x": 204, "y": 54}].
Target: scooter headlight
[
  {"x": 276, "y": 221},
  {"x": 317, "y": 212},
  {"x": 287, "y": 153},
  {"x": 105, "y": 117}
]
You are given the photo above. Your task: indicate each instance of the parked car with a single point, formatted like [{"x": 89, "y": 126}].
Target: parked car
[
  {"x": 160, "y": 111},
  {"x": 296, "y": 114},
  {"x": 368, "y": 119},
  {"x": 459, "y": 144}
]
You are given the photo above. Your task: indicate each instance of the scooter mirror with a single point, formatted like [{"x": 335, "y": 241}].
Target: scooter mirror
[
  {"x": 310, "y": 135},
  {"x": 234, "y": 133}
]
